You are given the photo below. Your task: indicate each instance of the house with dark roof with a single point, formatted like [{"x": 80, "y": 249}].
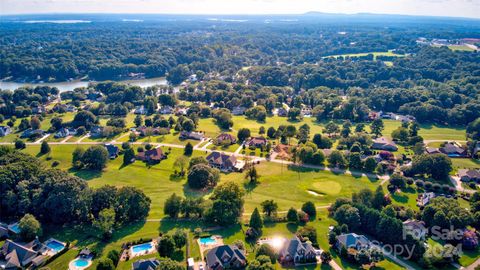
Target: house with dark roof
[
  {"x": 352, "y": 242},
  {"x": 16, "y": 255},
  {"x": 383, "y": 143},
  {"x": 225, "y": 257},
  {"x": 148, "y": 264},
  {"x": 96, "y": 131},
  {"x": 225, "y": 137},
  {"x": 3, "y": 232},
  {"x": 282, "y": 112},
  {"x": 222, "y": 161},
  {"x": 432, "y": 150},
  {"x": 166, "y": 110},
  {"x": 415, "y": 228},
  {"x": 238, "y": 110},
  {"x": 5, "y": 130},
  {"x": 296, "y": 252},
  {"x": 29, "y": 133},
  {"x": 112, "y": 150},
  {"x": 469, "y": 175},
  {"x": 64, "y": 132},
  {"x": 151, "y": 156},
  {"x": 454, "y": 150},
  {"x": 256, "y": 142},
  {"x": 193, "y": 135}
]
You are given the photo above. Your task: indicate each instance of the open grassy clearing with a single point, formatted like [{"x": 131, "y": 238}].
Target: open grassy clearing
[{"x": 375, "y": 54}]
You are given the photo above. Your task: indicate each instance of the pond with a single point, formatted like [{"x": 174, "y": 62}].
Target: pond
[{"x": 70, "y": 85}]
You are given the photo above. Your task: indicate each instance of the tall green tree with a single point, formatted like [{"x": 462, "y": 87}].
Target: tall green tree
[{"x": 256, "y": 221}]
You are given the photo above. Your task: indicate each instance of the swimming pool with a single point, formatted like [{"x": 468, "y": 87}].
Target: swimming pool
[
  {"x": 14, "y": 228},
  {"x": 55, "y": 246},
  {"x": 208, "y": 241},
  {"x": 142, "y": 248},
  {"x": 79, "y": 264}
]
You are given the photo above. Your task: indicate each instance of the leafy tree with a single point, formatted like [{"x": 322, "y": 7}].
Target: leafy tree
[
  {"x": 180, "y": 238},
  {"x": 331, "y": 128},
  {"x": 269, "y": 207},
  {"x": 260, "y": 263},
  {"x": 105, "y": 264},
  {"x": 256, "y": 221},
  {"x": 128, "y": 156},
  {"x": 292, "y": 215},
  {"x": 19, "y": 144},
  {"x": 95, "y": 157},
  {"x": 349, "y": 215},
  {"x": 400, "y": 134},
  {"x": 336, "y": 159},
  {"x": 355, "y": 161},
  {"x": 252, "y": 174},
  {"x": 377, "y": 127},
  {"x": 44, "y": 148},
  {"x": 326, "y": 257},
  {"x": 35, "y": 123},
  {"x": 309, "y": 208},
  {"x": 137, "y": 207},
  {"x": 29, "y": 227},
  {"x": 105, "y": 222},
  {"x": 166, "y": 246},
  {"x": 266, "y": 250},
  {"x": 271, "y": 132},
  {"x": 138, "y": 121},
  {"x": 181, "y": 163},
  {"x": 188, "y": 149},
  {"x": 169, "y": 264},
  {"x": 114, "y": 255},
  {"x": 370, "y": 164},
  {"x": 378, "y": 198},
  {"x": 227, "y": 204},
  {"x": 322, "y": 142},
  {"x": 203, "y": 176},
  {"x": 243, "y": 134},
  {"x": 473, "y": 130},
  {"x": 173, "y": 206},
  {"x": 197, "y": 160}
]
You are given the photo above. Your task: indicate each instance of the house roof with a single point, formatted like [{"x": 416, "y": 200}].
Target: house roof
[
  {"x": 451, "y": 148},
  {"x": 352, "y": 239},
  {"x": 112, "y": 149},
  {"x": 415, "y": 224},
  {"x": 472, "y": 174},
  {"x": 16, "y": 253},
  {"x": 257, "y": 141},
  {"x": 294, "y": 246},
  {"x": 225, "y": 254},
  {"x": 150, "y": 264},
  {"x": 226, "y": 136},
  {"x": 152, "y": 154},
  {"x": 221, "y": 159}
]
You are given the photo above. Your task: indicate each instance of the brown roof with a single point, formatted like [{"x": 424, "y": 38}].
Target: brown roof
[
  {"x": 257, "y": 141},
  {"x": 225, "y": 136},
  {"x": 222, "y": 160},
  {"x": 155, "y": 154}
]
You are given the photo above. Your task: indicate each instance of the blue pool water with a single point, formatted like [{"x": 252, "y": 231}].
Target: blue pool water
[
  {"x": 55, "y": 246},
  {"x": 207, "y": 241},
  {"x": 80, "y": 263},
  {"x": 142, "y": 248},
  {"x": 15, "y": 228}
]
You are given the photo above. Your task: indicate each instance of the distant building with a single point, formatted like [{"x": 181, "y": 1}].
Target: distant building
[
  {"x": 257, "y": 142},
  {"x": 140, "y": 110},
  {"x": 64, "y": 132},
  {"x": 147, "y": 131},
  {"x": 297, "y": 252},
  {"x": 432, "y": 150},
  {"x": 454, "y": 150},
  {"x": 222, "y": 161},
  {"x": 112, "y": 150},
  {"x": 5, "y": 130},
  {"x": 17, "y": 256},
  {"x": 238, "y": 110},
  {"x": 226, "y": 137},
  {"x": 29, "y": 133},
  {"x": 424, "y": 199},
  {"x": 148, "y": 264},
  {"x": 185, "y": 135},
  {"x": 352, "y": 241},
  {"x": 225, "y": 257},
  {"x": 282, "y": 112},
  {"x": 383, "y": 143},
  {"x": 96, "y": 131},
  {"x": 415, "y": 228},
  {"x": 166, "y": 110},
  {"x": 151, "y": 156},
  {"x": 469, "y": 175}
]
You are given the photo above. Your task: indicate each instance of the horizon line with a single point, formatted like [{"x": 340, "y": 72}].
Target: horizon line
[{"x": 242, "y": 14}]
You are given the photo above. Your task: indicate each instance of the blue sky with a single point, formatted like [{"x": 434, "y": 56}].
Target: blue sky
[{"x": 455, "y": 8}]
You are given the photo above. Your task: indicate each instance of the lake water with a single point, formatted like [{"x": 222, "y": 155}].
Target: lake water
[{"x": 68, "y": 86}]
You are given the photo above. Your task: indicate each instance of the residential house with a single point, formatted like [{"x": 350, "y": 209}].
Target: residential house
[
  {"x": 296, "y": 252},
  {"x": 16, "y": 255},
  {"x": 256, "y": 142},
  {"x": 185, "y": 135},
  {"x": 239, "y": 110},
  {"x": 225, "y": 257},
  {"x": 112, "y": 150},
  {"x": 373, "y": 115},
  {"x": 225, "y": 137},
  {"x": 469, "y": 239},
  {"x": 29, "y": 133},
  {"x": 181, "y": 111},
  {"x": 166, "y": 110},
  {"x": 476, "y": 150},
  {"x": 222, "y": 161},
  {"x": 71, "y": 108},
  {"x": 432, "y": 150},
  {"x": 352, "y": 242},
  {"x": 282, "y": 112},
  {"x": 148, "y": 264},
  {"x": 454, "y": 150},
  {"x": 415, "y": 228},
  {"x": 383, "y": 143},
  {"x": 3, "y": 232},
  {"x": 146, "y": 131},
  {"x": 5, "y": 130},
  {"x": 306, "y": 111},
  {"x": 140, "y": 110},
  {"x": 469, "y": 175},
  {"x": 190, "y": 264},
  {"x": 64, "y": 132},
  {"x": 151, "y": 156},
  {"x": 38, "y": 110},
  {"x": 283, "y": 151},
  {"x": 424, "y": 198},
  {"x": 96, "y": 131}
]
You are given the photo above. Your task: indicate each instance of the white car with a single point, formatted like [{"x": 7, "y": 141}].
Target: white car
[{"x": 200, "y": 266}]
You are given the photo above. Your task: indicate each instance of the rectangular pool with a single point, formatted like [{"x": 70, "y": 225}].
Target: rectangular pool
[
  {"x": 142, "y": 248},
  {"x": 208, "y": 241},
  {"x": 55, "y": 246}
]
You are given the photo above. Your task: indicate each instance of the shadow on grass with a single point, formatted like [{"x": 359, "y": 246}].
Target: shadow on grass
[
  {"x": 176, "y": 177},
  {"x": 86, "y": 174},
  {"x": 250, "y": 186},
  {"x": 195, "y": 193}
]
